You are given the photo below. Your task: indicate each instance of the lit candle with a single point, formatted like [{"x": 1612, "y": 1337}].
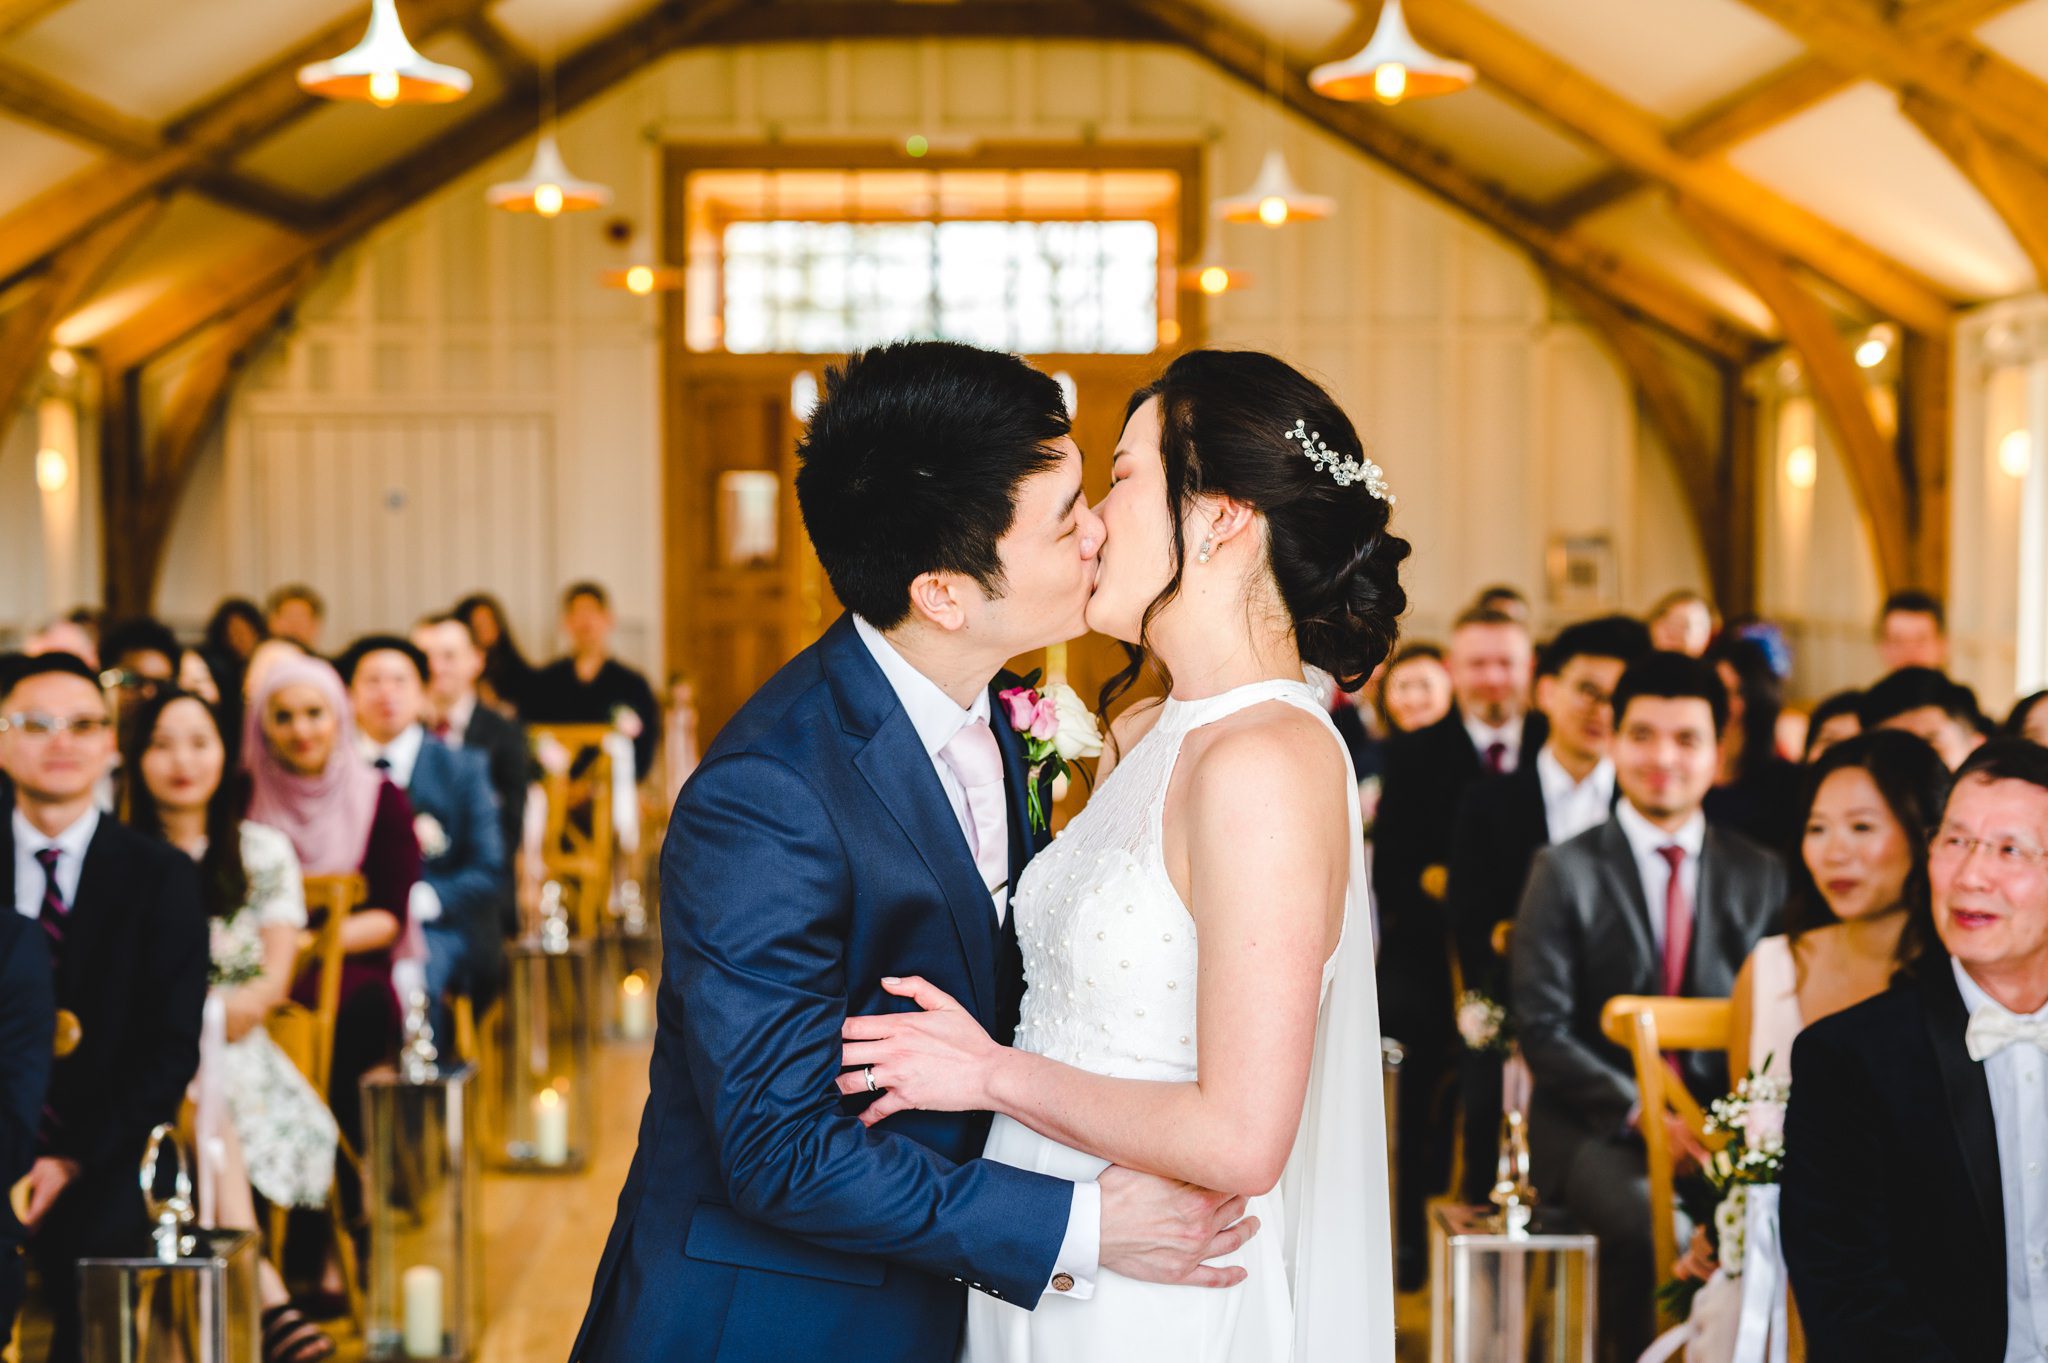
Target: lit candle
[
  {"x": 422, "y": 1311},
  {"x": 550, "y": 1128},
  {"x": 636, "y": 1008}
]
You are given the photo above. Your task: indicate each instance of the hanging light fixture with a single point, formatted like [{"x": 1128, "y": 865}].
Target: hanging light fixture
[
  {"x": 1274, "y": 199},
  {"x": 1390, "y": 68},
  {"x": 641, "y": 274},
  {"x": 1213, "y": 279},
  {"x": 547, "y": 188},
  {"x": 384, "y": 68}
]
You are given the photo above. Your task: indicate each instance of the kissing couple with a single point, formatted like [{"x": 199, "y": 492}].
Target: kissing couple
[{"x": 930, "y": 1084}]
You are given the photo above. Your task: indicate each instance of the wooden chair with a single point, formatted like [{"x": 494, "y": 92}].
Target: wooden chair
[
  {"x": 63, "y": 1043},
  {"x": 581, "y": 857},
  {"x": 1648, "y": 1027}
]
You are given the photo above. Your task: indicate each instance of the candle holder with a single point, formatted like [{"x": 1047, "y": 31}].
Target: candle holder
[
  {"x": 1528, "y": 1295},
  {"x": 630, "y": 961},
  {"x": 1512, "y": 1192},
  {"x": 539, "y": 1071},
  {"x": 420, "y": 1181},
  {"x": 193, "y": 1299}
]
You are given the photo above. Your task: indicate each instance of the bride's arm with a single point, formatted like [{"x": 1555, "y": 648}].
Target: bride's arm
[{"x": 1268, "y": 838}]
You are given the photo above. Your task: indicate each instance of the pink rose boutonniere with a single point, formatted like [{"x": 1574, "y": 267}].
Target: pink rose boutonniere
[{"x": 1057, "y": 727}]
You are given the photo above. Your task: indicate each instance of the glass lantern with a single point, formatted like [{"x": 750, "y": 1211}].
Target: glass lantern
[
  {"x": 193, "y": 1299},
  {"x": 420, "y": 1176},
  {"x": 1501, "y": 1295},
  {"x": 629, "y": 966},
  {"x": 538, "y": 1062}
]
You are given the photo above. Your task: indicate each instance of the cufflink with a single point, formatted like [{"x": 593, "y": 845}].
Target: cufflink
[{"x": 1062, "y": 1282}]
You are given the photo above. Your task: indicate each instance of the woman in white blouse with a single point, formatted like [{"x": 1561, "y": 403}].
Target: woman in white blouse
[{"x": 279, "y": 1139}]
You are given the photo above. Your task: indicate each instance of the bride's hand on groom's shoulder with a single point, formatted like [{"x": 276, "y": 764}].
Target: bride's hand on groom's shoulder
[{"x": 937, "y": 1060}]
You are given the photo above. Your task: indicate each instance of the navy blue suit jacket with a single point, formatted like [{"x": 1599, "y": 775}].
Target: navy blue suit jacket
[
  {"x": 813, "y": 853},
  {"x": 470, "y": 878},
  {"x": 28, "y": 1018}
]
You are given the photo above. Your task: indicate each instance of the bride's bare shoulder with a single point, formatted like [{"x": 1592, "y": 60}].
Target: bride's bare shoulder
[{"x": 1275, "y": 754}]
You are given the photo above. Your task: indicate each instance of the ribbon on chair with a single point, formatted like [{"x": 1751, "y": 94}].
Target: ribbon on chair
[
  {"x": 1760, "y": 1338},
  {"x": 210, "y": 1114},
  {"x": 625, "y": 792},
  {"x": 1516, "y": 1083}
]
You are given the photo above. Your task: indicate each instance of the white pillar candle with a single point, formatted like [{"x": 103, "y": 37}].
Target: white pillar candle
[
  {"x": 422, "y": 1291},
  {"x": 636, "y": 1008},
  {"x": 550, "y": 1127}
]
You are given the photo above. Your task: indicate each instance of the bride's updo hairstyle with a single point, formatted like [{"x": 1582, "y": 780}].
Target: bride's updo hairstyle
[{"x": 1228, "y": 428}]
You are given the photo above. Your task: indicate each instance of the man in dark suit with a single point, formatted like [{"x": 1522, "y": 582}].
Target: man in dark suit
[
  {"x": 128, "y": 940},
  {"x": 460, "y": 720},
  {"x": 1424, "y": 776},
  {"x": 1503, "y": 824},
  {"x": 463, "y": 882},
  {"x": 1653, "y": 901},
  {"x": 588, "y": 685},
  {"x": 28, "y": 1014},
  {"x": 1914, "y": 1202}
]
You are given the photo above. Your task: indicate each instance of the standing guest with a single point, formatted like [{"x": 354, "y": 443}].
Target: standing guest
[
  {"x": 1912, "y": 631},
  {"x": 308, "y": 781},
  {"x": 1425, "y": 774},
  {"x": 279, "y": 1139},
  {"x": 1683, "y": 622},
  {"x": 460, "y": 896},
  {"x": 1834, "y": 720},
  {"x": 460, "y": 719},
  {"x": 1914, "y": 1204},
  {"x": 128, "y": 941},
  {"x": 2028, "y": 720},
  {"x": 28, "y": 1015},
  {"x": 1653, "y": 901},
  {"x": 1927, "y": 703},
  {"x": 590, "y": 685},
  {"x": 1756, "y": 792},
  {"x": 507, "y": 675},
  {"x": 296, "y": 612},
  {"x": 1415, "y": 692},
  {"x": 1502, "y": 825},
  {"x": 1509, "y": 601}
]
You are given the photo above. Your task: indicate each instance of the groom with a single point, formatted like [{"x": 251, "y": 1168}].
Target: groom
[{"x": 862, "y": 817}]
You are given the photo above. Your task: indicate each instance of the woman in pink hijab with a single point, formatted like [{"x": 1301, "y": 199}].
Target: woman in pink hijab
[{"x": 308, "y": 780}]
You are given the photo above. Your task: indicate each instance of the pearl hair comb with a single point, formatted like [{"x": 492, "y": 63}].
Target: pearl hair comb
[{"x": 1345, "y": 471}]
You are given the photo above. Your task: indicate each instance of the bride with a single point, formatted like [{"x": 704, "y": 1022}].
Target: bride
[{"x": 1246, "y": 536}]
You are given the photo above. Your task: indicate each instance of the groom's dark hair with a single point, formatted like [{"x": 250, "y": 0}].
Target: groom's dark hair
[{"x": 911, "y": 464}]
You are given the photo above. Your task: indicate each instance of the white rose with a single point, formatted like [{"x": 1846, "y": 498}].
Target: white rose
[
  {"x": 433, "y": 838},
  {"x": 1475, "y": 1024},
  {"x": 1078, "y": 734}
]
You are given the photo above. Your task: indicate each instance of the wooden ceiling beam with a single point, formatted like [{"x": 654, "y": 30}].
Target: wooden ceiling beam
[
  {"x": 261, "y": 199},
  {"x": 70, "y": 276},
  {"x": 1567, "y": 98},
  {"x": 34, "y": 98},
  {"x": 813, "y": 20},
  {"x": 16, "y": 15},
  {"x": 504, "y": 53},
  {"x": 2015, "y": 186},
  {"x": 1836, "y": 384}
]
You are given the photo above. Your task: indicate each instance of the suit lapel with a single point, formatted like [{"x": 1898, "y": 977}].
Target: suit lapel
[
  {"x": 97, "y": 875},
  {"x": 1967, "y": 1088},
  {"x": 1708, "y": 914},
  {"x": 1530, "y": 783},
  {"x": 1024, "y": 837},
  {"x": 1618, "y": 865}
]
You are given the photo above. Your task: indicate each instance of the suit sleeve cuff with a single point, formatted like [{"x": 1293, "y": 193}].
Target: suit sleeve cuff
[
  {"x": 424, "y": 905},
  {"x": 1080, "y": 1256}
]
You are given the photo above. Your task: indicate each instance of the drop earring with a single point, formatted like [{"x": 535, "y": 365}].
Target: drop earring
[{"x": 1202, "y": 554}]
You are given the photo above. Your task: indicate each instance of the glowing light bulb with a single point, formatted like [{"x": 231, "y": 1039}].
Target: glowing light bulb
[
  {"x": 640, "y": 280},
  {"x": 53, "y": 470},
  {"x": 1215, "y": 279},
  {"x": 547, "y": 200},
  {"x": 1871, "y": 353},
  {"x": 1390, "y": 82},
  {"x": 1802, "y": 466},
  {"x": 2015, "y": 454},
  {"x": 383, "y": 88},
  {"x": 63, "y": 363},
  {"x": 1169, "y": 331},
  {"x": 1272, "y": 210}
]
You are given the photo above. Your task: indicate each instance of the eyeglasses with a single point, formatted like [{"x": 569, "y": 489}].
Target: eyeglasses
[
  {"x": 1949, "y": 844},
  {"x": 36, "y": 724}
]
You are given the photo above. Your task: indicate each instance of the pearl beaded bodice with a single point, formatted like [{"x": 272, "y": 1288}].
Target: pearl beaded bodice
[{"x": 1109, "y": 949}]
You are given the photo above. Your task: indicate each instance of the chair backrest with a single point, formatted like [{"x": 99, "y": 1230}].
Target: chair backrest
[
  {"x": 579, "y": 855},
  {"x": 330, "y": 899},
  {"x": 1648, "y": 1027}
]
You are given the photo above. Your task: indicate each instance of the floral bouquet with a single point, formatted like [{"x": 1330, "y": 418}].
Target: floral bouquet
[
  {"x": 1483, "y": 1024},
  {"x": 1753, "y": 1118},
  {"x": 1057, "y": 729}
]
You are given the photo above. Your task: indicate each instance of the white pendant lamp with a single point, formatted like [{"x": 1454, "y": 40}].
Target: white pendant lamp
[
  {"x": 1274, "y": 199},
  {"x": 384, "y": 68},
  {"x": 1391, "y": 68},
  {"x": 548, "y": 188}
]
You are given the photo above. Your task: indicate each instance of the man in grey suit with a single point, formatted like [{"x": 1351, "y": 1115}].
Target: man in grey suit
[{"x": 1651, "y": 902}]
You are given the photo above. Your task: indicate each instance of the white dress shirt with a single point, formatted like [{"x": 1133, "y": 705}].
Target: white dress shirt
[
  {"x": 1508, "y": 735},
  {"x": 2018, "y": 1079},
  {"x": 29, "y": 879},
  {"x": 1646, "y": 840},
  {"x": 401, "y": 755},
  {"x": 1571, "y": 807},
  {"x": 937, "y": 718},
  {"x": 457, "y": 718}
]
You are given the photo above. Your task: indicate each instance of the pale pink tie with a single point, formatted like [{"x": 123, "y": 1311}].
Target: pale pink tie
[{"x": 977, "y": 761}]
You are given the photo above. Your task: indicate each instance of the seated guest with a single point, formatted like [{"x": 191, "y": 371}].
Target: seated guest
[
  {"x": 280, "y": 1138},
  {"x": 507, "y": 674},
  {"x": 234, "y": 629},
  {"x": 460, "y": 896},
  {"x": 1502, "y": 824},
  {"x": 28, "y": 1015},
  {"x": 1838, "y": 718},
  {"x": 144, "y": 656},
  {"x": 268, "y": 654},
  {"x": 308, "y": 781},
  {"x": 1927, "y": 703},
  {"x": 461, "y": 720},
  {"x": 75, "y": 634},
  {"x": 1509, "y": 601},
  {"x": 1913, "y": 1204},
  {"x": 1683, "y": 622},
  {"x": 128, "y": 941},
  {"x": 297, "y": 613},
  {"x": 589, "y": 685},
  {"x": 1415, "y": 690},
  {"x": 1653, "y": 901},
  {"x": 1912, "y": 631},
  {"x": 1756, "y": 791},
  {"x": 2029, "y": 719}
]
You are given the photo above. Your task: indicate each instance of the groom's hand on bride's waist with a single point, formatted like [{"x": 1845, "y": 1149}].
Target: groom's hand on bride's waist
[{"x": 1164, "y": 1231}]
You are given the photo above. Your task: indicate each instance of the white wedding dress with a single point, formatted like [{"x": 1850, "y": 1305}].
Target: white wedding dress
[{"x": 1110, "y": 964}]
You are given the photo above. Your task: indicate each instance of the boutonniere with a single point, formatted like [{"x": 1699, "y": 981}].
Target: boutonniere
[
  {"x": 433, "y": 839},
  {"x": 1057, "y": 728}
]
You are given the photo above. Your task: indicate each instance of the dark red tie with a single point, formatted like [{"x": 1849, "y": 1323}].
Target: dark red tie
[
  {"x": 441, "y": 730},
  {"x": 53, "y": 910},
  {"x": 1677, "y": 921},
  {"x": 1497, "y": 758}
]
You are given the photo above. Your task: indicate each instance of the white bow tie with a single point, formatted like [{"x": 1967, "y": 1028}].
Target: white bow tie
[{"x": 1991, "y": 1030}]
